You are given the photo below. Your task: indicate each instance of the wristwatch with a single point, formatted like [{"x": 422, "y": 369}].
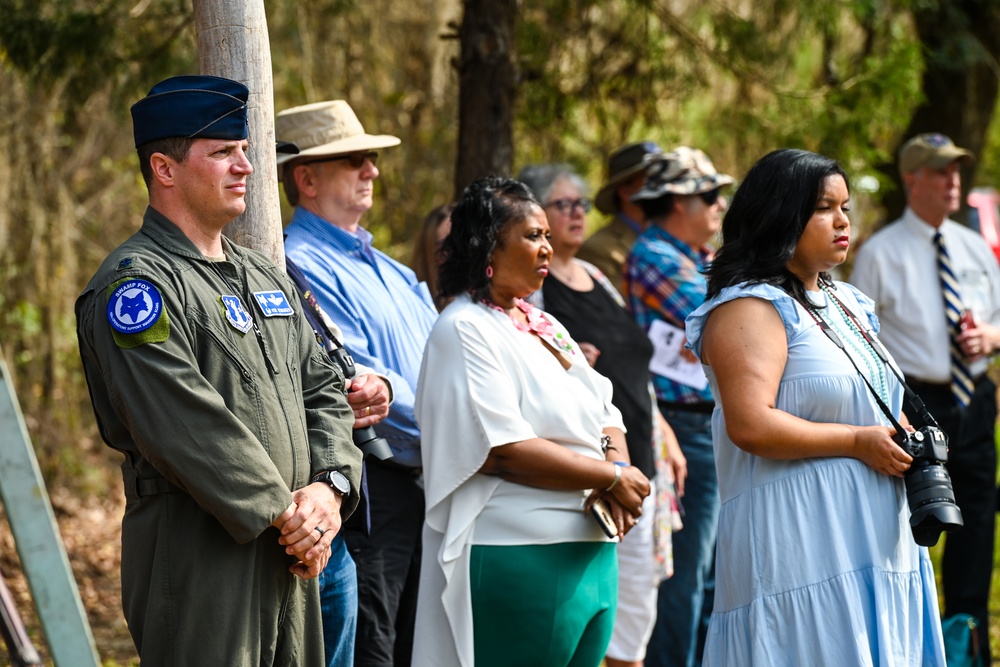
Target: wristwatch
[{"x": 336, "y": 480}]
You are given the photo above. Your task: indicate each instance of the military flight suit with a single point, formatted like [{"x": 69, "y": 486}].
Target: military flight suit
[{"x": 207, "y": 377}]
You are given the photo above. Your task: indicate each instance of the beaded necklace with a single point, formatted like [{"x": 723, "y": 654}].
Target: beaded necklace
[
  {"x": 537, "y": 324},
  {"x": 846, "y": 326}
]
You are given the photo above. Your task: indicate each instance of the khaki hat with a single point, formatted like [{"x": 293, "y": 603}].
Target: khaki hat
[
  {"x": 326, "y": 128},
  {"x": 930, "y": 150},
  {"x": 682, "y": 171},
  {"x": 622, "y": 165}
]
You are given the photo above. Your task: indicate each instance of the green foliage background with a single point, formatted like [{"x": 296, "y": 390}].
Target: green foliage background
[{"x": 735, "y": 77}]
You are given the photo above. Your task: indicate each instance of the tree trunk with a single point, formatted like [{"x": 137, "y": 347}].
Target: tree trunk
[
  {"x": 959, "y": 83},
  {"x": 233, "y": 42},
  {"x": 487, "y": 86}
]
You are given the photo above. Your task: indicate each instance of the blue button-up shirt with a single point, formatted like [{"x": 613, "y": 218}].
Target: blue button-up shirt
[
  {"x": 384, "y": 312},
  {"x": 664, "y": 281}
]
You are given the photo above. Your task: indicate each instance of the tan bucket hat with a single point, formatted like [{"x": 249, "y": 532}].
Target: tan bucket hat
[
  {"x": 326, "y": 128},
  {"x": 622, "y": 165}
]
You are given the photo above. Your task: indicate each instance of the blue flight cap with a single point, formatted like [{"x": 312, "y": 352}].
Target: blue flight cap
[{"x": 192, "y": 107}]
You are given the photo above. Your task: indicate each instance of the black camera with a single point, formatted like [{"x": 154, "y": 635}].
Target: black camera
[
  {"x": 365, "y": 438},
  {"x": 928, "y": 485}
]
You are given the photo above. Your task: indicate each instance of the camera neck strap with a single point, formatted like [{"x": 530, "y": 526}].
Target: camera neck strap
[{"x": 876, "y": 346}]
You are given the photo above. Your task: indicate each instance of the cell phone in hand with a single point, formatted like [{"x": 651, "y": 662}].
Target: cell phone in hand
[{"x": 601, "y": 509}]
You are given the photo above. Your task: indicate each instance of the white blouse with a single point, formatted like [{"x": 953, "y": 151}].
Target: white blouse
[{"x": 484, "y": 384}]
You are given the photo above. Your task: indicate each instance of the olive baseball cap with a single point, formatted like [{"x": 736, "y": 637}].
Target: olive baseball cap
[{"x": 932, "y": 150}]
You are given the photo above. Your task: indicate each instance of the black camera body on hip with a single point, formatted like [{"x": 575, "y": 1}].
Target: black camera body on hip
[{"x": 928, "y": 485}]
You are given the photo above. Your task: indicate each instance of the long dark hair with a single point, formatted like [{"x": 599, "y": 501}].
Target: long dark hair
[
  {"x": 486, "y": 207},
  {"x": 768, "y": 214},
  {"x": 427, "y": 254}
]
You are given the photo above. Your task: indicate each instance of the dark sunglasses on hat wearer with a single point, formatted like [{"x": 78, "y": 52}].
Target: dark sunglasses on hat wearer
[{"x": 356, "y": 160}]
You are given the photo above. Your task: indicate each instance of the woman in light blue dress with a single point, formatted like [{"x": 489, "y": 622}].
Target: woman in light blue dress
[{"x": 816, "y": 564}]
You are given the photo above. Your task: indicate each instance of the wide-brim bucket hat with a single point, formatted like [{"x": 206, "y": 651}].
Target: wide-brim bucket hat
[
  {"x": 624, "y": 163},
  {"x": 326, "y": 128},
  {"x": 682, "y": 171}
]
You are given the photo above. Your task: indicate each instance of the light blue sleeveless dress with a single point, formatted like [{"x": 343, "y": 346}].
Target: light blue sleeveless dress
[{"x": 816, "y": 565}]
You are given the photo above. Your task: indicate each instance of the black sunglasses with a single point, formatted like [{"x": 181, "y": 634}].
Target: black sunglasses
[
  {"x": 356, "y": 160},
  {"x": 710, "y": 197},
  {"x": 566, "y": 206}
]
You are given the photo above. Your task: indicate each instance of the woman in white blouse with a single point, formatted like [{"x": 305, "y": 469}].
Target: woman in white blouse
[{"x": 519, "y": 437}]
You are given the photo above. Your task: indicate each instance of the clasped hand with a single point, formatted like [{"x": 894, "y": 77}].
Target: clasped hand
[
  {"x": 314, "y": 506},
  {"x": 625, "y": 498},
  {"x": 369, "y": 398}
]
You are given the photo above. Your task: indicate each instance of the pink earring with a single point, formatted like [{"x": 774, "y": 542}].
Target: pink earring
[{"x": 489, "y": 272}]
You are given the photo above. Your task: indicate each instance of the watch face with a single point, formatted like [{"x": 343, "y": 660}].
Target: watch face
[{"x": 339, "y": 483}]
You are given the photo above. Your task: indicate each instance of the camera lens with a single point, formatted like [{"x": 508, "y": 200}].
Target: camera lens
[{"x": 932, "y": 503}]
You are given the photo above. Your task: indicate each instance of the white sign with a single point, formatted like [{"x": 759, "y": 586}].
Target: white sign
[{"x": 668, "y": 343}]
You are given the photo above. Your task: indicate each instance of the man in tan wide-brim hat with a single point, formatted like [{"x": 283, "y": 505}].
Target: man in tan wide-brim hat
[
  {"x": 385, "y": 315},
  {"x": 608, "y": 247},
  {"x": 326, "y": 129}
]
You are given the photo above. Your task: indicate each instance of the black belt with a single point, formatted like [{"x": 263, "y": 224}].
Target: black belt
[
  {"x": 701, "y": 407},
  {"x": 136, "y": 488},
  {"x": 918, "y": 385}
]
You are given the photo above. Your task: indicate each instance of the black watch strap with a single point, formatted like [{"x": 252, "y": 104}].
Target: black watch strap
[{"x": 337, "y": 481}]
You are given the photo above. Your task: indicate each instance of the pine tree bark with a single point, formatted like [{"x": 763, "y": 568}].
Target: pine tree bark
[
  {"x": 487, "y": 87},
  {"x": 233, "y": 42}
]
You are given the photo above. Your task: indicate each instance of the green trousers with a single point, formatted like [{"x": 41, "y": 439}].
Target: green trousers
[{"x": 550, "y": 605}]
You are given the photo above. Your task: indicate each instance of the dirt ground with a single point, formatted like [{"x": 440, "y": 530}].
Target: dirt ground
[{"x": 91, "y": 532}]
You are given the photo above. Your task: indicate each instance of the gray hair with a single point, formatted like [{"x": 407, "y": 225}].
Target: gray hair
[{"x": 541, "y": 178}]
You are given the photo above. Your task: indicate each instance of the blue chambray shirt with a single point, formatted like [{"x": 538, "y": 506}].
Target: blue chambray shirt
[
  {"x": 385, "y": 314},
  {"x": 664, "y": 281}
]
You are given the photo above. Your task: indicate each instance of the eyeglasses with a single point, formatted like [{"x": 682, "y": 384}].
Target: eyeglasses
[
  {"x": 356, "y": 160},
  {"x": 566, "y": 206},
  {"x": 710, "y": 197}
]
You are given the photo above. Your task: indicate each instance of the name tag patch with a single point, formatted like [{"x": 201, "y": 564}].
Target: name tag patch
[
  {"x": 236, "y": 314},
  {"x": 134, "y": 306},
  {"x": 273, "y": 303}
]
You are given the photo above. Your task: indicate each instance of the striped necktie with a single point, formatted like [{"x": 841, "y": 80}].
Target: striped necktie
[{"x": 961, "y": 378}]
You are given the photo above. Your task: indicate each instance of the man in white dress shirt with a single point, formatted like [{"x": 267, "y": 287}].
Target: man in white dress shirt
[{"x": 898, "y": 268}]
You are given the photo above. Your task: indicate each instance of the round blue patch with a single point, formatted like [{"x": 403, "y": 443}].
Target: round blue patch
[{"x": 134, "y": 306}]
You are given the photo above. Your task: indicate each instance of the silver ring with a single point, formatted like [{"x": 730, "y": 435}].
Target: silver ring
[{"x": 321, "y": 532}]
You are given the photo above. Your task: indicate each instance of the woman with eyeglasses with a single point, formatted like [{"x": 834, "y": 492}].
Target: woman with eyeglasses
[
  {"x": 518, "y": 437},
  {"x": 592, "y": 310}
]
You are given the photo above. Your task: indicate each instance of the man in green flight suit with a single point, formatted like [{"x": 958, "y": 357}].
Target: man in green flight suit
[{"x": 239, "y": 467}]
